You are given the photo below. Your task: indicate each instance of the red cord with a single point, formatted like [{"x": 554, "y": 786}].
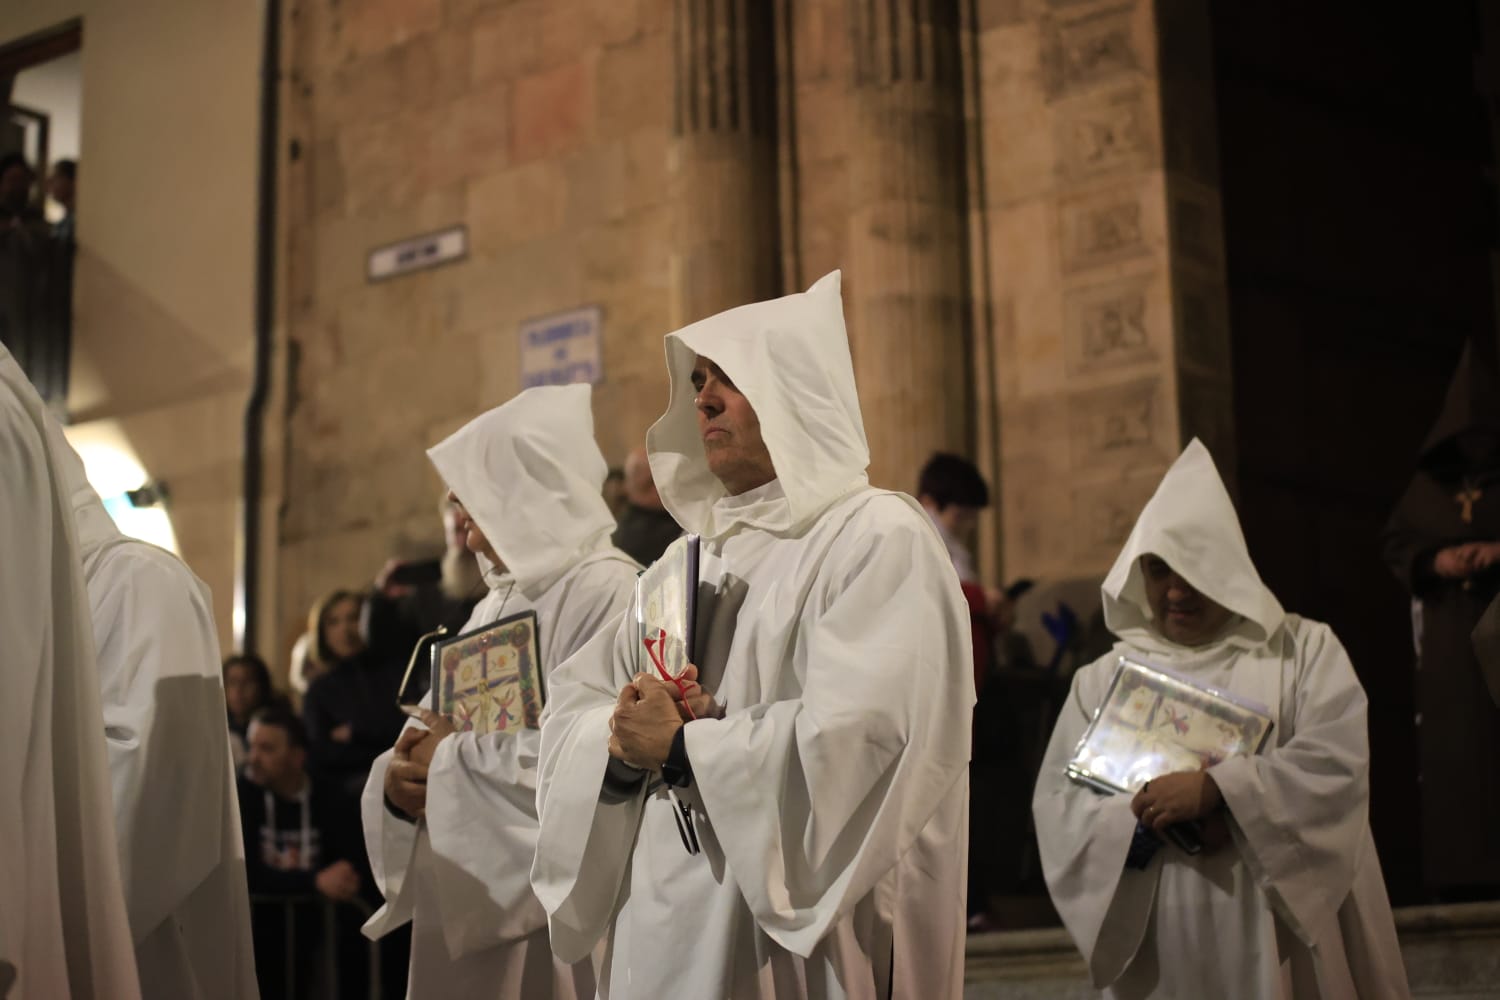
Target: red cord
[{"x": 653, "y": 649}]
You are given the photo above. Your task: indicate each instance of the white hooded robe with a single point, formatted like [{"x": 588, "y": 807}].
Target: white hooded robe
[
  {"x": 1294, "y": 906},
  {"x": 831, "y": 799},
  {"x": 530, "y": 475},
  {"x": 63, "y": 928},
  {"x": 177, "y": 815}
]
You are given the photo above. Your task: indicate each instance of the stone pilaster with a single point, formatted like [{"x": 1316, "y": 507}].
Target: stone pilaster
[
  {"x": 1105, "y": 269},
  {"x": 723, "y": 160},
  {"x": 907, "y": 274}
]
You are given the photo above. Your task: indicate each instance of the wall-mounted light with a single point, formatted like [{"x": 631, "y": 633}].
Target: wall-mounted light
[
  {"x": 152, "y": 494},
  {"x": 136, "y": 503}
]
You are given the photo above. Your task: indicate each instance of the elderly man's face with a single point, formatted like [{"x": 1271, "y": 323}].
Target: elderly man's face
[
  {"x": 1182, "y": 614},
  {"x": 737, "y": 455}
]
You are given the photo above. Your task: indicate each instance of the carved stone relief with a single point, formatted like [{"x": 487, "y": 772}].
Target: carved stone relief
[{"x": 1108, "y": 326}]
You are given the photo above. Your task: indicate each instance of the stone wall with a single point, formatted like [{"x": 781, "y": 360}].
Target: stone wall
[
  {"x": 163, "y": 290},
  {"x": 1032, "y": 274},
  {"x": 542, "y": 125}
]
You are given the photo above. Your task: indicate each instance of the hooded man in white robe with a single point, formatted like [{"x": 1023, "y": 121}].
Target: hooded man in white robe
[
  {"x": 177, "y": 816},
  {"x": 63, "y": 927},
  {"x": 450, "y": 818},
  {"x": 1286, "y": 900},
  {"x": 826, "y": 779}
]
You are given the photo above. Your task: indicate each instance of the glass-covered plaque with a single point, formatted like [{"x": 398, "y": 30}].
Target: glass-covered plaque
[{"x": 1153, "y": 722}]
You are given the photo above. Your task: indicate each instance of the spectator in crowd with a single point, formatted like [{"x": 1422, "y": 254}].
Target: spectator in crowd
[
  {"x": 63, "y": 187},
  {"x": 333, "y": 634},
  {"x": 16, "y": 180},
  {"x": 953, "y": 492},
  {"x": 302, "y": 840},
  {"x": 247, "y": 689},
  {"x": 1286, "y": 896},
  {"x": 411, "y": 599},
  {"x": 298, "y": 666},
  {"x": 35, "y": 285},
  {"x": 1443, "y": 543},
  {"x": 645, "y": 529},
  {"x": 350, "y": 709}
]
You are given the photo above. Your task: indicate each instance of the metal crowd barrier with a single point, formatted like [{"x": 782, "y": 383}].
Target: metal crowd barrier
[{"x": 326, "y": 911}]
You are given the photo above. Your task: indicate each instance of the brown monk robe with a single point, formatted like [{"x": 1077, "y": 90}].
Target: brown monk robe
[{"x": 1443, "y": 542}]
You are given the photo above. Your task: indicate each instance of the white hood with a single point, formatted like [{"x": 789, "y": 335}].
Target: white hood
[
  {"x": 1190, "y": 523},
  {"x": 530, "y": 474},
  {"x": 789, "y": 357}
]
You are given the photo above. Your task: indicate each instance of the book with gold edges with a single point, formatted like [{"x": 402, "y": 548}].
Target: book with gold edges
[{"x": 489, "y": 680}]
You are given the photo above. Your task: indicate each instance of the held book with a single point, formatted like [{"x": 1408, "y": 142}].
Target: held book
[
  {"x": 1153, "y": 722},
  {"x": 490, "y": 680},
  {"x": 666, "y": 608}
]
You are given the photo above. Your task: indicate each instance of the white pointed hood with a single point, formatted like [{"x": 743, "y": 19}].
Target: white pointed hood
[
  {"x": 790, "y": 359},
  {"x": 530, "y": 474},
  {"x": 1190, "y": 522}
]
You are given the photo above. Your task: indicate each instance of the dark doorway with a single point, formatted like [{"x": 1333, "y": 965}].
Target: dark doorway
[{"x": 1356, "y": 165}]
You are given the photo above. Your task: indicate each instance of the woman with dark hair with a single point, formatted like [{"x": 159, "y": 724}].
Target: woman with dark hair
[
  {"x": 247, "y": 689},
  {"x": 350, "y": 708}
]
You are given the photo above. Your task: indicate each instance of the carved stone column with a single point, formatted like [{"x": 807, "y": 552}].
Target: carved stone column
[
  {"x": 726, "y": 215},
  {"x": 908, "y": 262}
]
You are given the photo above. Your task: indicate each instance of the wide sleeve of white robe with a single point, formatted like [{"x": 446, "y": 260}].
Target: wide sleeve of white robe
[
  {"x": 481, "y": 790},
  {"x": 847, "y": 775},
  {"x": 1300, "y": 812},
  {"x": 1083, "y": 837},
  {"x": 391, "y": 840},
  {"x": 159, "y": 681},
  {"x": 147, "y": 618},
  {"x": 813, "y": 798},
  {"x": 586, "y": 837},
  {"x": 390, "y": 843}
]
